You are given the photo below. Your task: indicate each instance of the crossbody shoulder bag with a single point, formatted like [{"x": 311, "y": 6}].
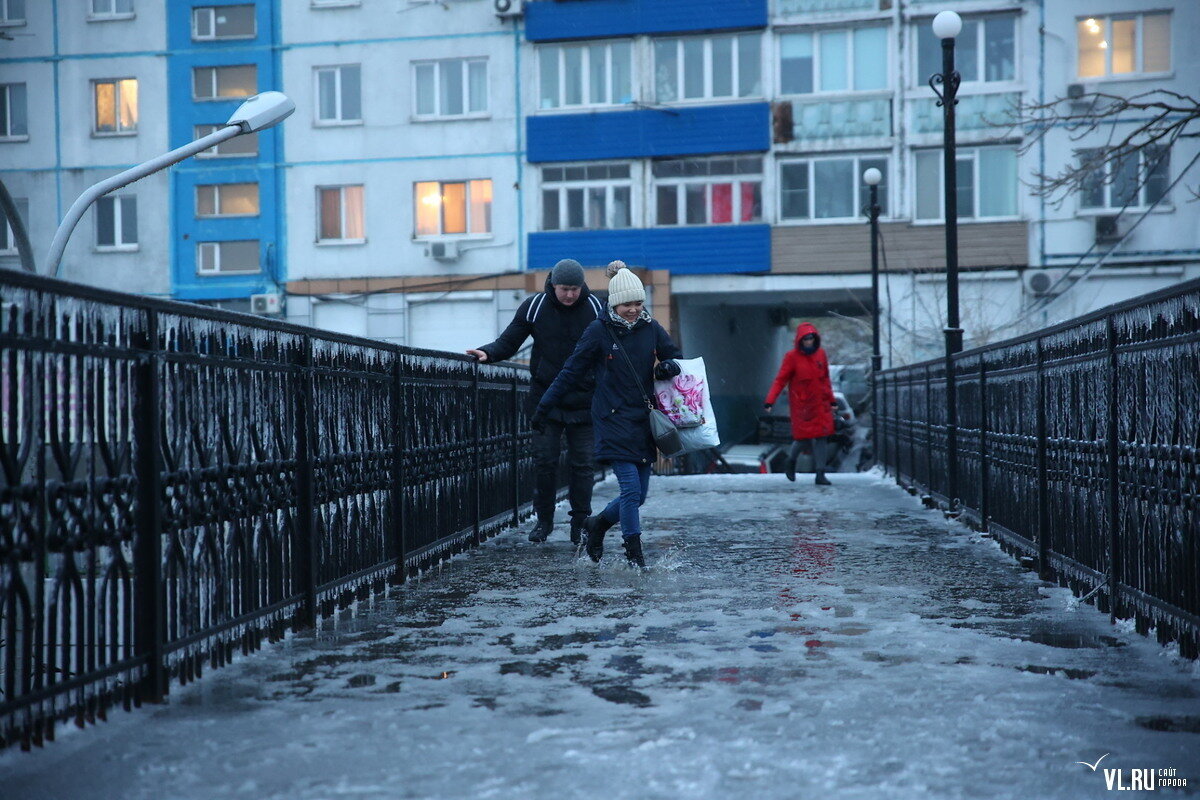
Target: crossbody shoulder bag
[{"x": 666, "y": 435}]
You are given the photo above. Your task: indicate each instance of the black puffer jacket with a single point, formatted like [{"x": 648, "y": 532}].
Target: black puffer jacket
[{"x": 555, "y": 329}]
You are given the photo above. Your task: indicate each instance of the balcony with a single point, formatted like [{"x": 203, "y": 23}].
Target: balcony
[
  {"x": 974, "y": 112},
  {"x": 840, "y": 119},
  {"x": 598, "y": 19}
]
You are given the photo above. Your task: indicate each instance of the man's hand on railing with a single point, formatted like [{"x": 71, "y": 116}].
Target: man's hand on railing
[{"x": 480, "y": 355}]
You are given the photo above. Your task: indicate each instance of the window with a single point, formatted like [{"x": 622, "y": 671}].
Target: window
[
  {"x": 591, "y": 196},
  {"x": 339, "y": 94},
  {"x": 223, "y": 258},
  {"x": 227, "y": 200},
  {"x": 706, "y": 67},
  {"x": 1135, "y": 182},
  {"x": 588, "y": 74},
  {"x": 833, "y": 61},
  {"x": 244, "y": 145},
  {"x": 110, "y": 9},
  {"x": 8, "y": 240},
  {"x": 459, "y": 207},
  {"x": 12, "y": 12},
  {"x": 116, "y": 105},
  {"x": 340, "y": 214},
  {"x": 829, "y": 188},
  {"x": 13, "y": 119},
  {"x": 454, "y": 87},
  {"x": 985, "y": 50},
  {"x": 116, "y": 222},
  {"x": 1125, "y": 44},
  {"x": 703, "y": 191},
  {"x": 986, "y": 181},
  {"x": 223, "y": 22},
  {"x": 215, "y": 83}
]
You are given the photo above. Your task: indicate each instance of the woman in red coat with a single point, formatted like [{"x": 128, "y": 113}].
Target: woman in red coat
[{"x": 805, "y": 373}]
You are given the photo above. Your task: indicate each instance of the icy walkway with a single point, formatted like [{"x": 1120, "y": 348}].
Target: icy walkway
[{"x": 790, "y": 642}]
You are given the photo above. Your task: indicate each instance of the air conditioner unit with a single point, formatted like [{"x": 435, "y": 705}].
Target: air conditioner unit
[
  {"x": 442, "y": 251},
  {"x": 1074, "y": 91},
  {"x": 1108, "y": 229},
  {"x": 1044, "y": 282},
  {"x": 508, "y": 8},
  {"x": 269, "y": 303}
]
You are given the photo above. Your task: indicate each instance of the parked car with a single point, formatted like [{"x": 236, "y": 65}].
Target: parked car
[{"x": 852, "y": 380}]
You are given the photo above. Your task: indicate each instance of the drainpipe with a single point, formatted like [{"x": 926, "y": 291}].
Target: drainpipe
[{"x": 519, "y": 156}]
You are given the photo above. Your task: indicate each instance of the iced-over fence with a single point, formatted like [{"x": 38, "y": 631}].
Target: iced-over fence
[
  {"x": 1078, "y": 448},
  {"x": 177, "y": 482}
]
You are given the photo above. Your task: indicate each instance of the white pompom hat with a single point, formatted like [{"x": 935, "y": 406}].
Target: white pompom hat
[{"x": 623, "y": 285}]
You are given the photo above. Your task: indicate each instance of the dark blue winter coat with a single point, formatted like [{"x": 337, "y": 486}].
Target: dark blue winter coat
[{"x": 619, "y": 412}]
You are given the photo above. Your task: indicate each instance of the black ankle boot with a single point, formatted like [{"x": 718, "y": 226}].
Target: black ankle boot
[
  {"x": 633, "y": 550},
  {"x": 541, "y": 531},
  {"x": 594, "y": 528},
  {"x": 822, "y": 480},
  {"x": 577, "y": 529}
]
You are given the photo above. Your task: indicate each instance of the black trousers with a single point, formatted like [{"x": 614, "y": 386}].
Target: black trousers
[{"x": 580, "y": 449}]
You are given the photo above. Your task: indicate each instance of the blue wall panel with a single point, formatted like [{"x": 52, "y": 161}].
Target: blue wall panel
[
  {"x": 648, "y": 133},
  {"x": 185, "y": 114},
  {"x": 593, "y": 19},
  {"x": 683, "y": 251}
]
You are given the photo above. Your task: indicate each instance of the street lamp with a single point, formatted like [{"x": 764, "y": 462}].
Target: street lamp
[
  {"x": 872, "y": 177},
  {"x": 258, "y": 112},
  {"x": 946, "y": 26}
]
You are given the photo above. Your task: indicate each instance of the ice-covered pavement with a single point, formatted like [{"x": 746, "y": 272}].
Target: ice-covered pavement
[{"x": 790, "y": 641}]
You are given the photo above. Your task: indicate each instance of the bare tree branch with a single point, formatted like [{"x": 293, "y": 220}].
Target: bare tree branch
[{"x": 1159, "y": 117}]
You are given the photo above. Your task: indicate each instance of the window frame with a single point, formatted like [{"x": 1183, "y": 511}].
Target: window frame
[
  {"x": 924, "y": 26},
  {"x": 22, "y": 204},
  {"x": 118, "y": 217},
  {"x": 564, "y": 186},
  {"x": 118, "y": 130},
  {"x": 1108, "y": 183},
  {"x": 441, "y": 233},
  {"x": 961, "y": 154},
  {"x": 585, "y": 68},
  {"x": 437, "y": 63},
  {"x": 341, "y": 187},
  {"x": 215, "y": 84},
  {"x": 7, "y": 21},
  {"x": 196, "y": 11},
  {"x": 708, "y": 181},
  {"x": 338, "y": 121},
  {"x": 334, "y": 3},
  {"x": 216, "y": 187},
  {"x": 814, "y": 36},
  {"x": 680, "y": 76},
  {"x": 104, "y": 16},
  {"x": 6, "y": 99},
  {"x": 214, "y": 151},
  {"x": 1138, "y": 41},
  {"x": 218, "y": 272},
  {"x": 858, "y": 186}
]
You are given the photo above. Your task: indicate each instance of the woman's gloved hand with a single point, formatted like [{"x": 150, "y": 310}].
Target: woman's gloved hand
[{"x": 665, "y": 370}]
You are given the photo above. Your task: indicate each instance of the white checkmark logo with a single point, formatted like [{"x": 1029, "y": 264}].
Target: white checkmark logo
[{"x": 1092, "y": 767}]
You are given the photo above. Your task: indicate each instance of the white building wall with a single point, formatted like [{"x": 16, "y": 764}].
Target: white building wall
[{"x": 390, "y": 151}]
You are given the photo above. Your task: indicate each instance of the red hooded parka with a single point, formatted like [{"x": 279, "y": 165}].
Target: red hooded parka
[{"x": 810, "y": 392}]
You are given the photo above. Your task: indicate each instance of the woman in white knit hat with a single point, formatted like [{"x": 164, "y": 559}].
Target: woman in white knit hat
[{"x": 620, "y": 416}]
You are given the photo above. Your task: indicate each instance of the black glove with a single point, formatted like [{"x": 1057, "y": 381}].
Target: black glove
[
  {"x": 665, "y": 370},
  {"x": 538, "y": 421}
]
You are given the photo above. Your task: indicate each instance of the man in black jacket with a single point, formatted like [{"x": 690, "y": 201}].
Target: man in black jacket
[{"x": 556, "y": 319}]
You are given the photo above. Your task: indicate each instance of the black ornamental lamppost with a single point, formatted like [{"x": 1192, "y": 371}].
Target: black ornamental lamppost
[
  {"x": 946, "y": 26},
  {"x": 871, "y": 178}
]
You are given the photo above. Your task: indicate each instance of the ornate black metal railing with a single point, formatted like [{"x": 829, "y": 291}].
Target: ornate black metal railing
[
  {"x": 1078, "y": 449},
  {"x": 178, "y": 482}
]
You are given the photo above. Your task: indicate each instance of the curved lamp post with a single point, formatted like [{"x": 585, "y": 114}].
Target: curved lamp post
[
  {"x": 946, "y": 26},
  {"x": 257, "y": 113}
]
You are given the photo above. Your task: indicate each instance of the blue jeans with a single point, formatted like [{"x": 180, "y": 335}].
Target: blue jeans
[{"x": 634, "y": 482}]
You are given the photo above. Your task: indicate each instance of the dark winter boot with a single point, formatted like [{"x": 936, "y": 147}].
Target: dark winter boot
[
  {"x": 790, "y": 470},
  {"x": 577, "y": 531},
  {"x": 822, "y": 480},
  {"x": 633, "y": 550},
  {"x": 594, "y": 529},
  {"x": 541, "y": 531}
]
